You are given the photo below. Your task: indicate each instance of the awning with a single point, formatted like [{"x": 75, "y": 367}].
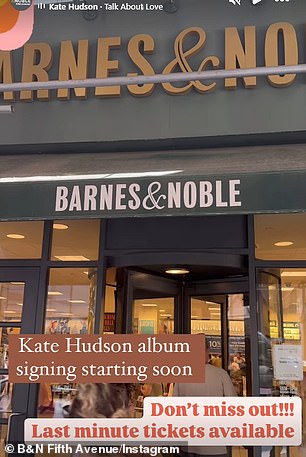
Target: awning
[{"x": 123, "y": 184}]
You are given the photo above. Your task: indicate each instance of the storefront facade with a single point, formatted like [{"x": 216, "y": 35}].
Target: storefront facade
[{"x": 100, "y": 197}]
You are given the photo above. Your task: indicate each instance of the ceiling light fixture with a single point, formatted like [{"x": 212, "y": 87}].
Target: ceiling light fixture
[
  {"x": 54, "y": 292},
  {"x": 177, "y": 271},
  {"x": 60, "y": 226},
  {"x": 149, "y": 304},
  {"x": 71, "y": 258},
  {"x": 6, "y": 109},
  {"x": 294, "y": 273},
  {"x": 283, "y": 244},
  {"x": 76, "y": 301},
  {"x": 51, "y": 310},
  {"x": 287, "y": 289},
  {"x": 15, "y": 236}
]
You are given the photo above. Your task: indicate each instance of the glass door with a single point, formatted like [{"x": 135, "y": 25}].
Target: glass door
[
  {"x": 18, "y": 305},
  {"x": 223, "y": 318},
  {"x": 281, "y": 295},
  {"x": 152, "y": 306},
  {"x": 152, "y": 303}
]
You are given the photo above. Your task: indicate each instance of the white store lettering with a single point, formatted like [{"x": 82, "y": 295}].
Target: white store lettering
[{"x": 146, "y": 197}]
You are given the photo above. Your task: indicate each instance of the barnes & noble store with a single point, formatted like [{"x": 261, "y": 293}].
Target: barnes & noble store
[{"x": 172, "y": 208}]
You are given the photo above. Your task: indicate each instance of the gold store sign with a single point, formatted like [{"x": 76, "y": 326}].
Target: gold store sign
[{"x": 74, "y": 64}]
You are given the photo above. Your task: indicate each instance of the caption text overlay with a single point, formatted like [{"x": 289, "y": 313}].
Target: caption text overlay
[
  {"x": 107, "y": 358},
  {"x": 231, "y": 421}
]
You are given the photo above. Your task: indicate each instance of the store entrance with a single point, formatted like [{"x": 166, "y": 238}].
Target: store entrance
[{"x": 153, "y": 304}]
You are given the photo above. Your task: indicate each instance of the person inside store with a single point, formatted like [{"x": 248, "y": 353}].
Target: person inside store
[
  {"x": 45, "y": 398},
  {"x": 103, "y": 400},
  {"x": 217, "y": 384},
  {"x": 240, "y": 360},
  {"x": 216, "y": 361},
  {"x": 151, "y": 390}
]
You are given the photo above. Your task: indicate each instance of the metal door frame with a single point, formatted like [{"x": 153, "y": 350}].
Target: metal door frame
[{"x": 22, "y": 400}]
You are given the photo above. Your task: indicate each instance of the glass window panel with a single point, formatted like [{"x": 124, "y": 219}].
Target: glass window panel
[
  {"x": 154, "y": 315},
  {"x": 70, "y": 310},
  {"x": 71, "y": 300},
  {"x": 282, "y": 322},
  {"x": 6, "y": 392},
  {"x": 4, "y": 352},
  {"x": 54, "y": 399},
  {"x": 109, "y": 316},
  {"x": 11, "y": 301},
  {"x": 206, "y": 318},
  {"x": 280, "y": 236},
  {"x": 236, "y": 339},
  {"x": 111, "y": 277},
  {"x": 21, "y": 240},
  {"x": 75, "y": 240}
]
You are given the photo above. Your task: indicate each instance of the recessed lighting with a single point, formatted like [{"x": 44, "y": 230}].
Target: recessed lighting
[
  {"x": 54, "y": 292},
  {"x": 15, "y": 236},
  {"x": 177, "y": 271},
  {"x": 7, "y": 109},
  {"x": 60, "y": 226},
  {"x": 71, "y": 258},
  {"x": 148, "y": 304},
  {"x": 283, "y": 243},
  {"x": 76, "y": 301},
  {"x": 2, "y": 298},
  {"x": 294, "y": 273},
  {"x": 166, "y": 315},
  {"x": 9, "y": 312}
]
